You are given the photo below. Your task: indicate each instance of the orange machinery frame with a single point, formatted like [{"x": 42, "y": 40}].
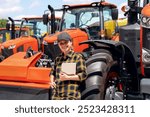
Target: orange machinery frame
[{"x": 19, "y": 71}]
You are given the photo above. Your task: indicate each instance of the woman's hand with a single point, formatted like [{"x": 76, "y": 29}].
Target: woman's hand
[
  {"x": 63, "y": 76},
  {"x": 52, "y": 82},
  {"x": 53, "y": 85}
]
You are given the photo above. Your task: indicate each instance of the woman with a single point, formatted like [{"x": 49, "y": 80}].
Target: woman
[{"x": 66, "y": 87}]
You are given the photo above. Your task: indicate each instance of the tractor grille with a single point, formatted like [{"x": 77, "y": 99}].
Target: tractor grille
[
  {"x": 51, "y": 50},
  {"x": 130, "y": 35},
  {"x": 146, "y": 44},
  {"x": 7, "y": 52},
  {"x": 146, "y": 38}
]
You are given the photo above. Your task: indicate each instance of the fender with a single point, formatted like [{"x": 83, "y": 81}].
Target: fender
[{"x": 119, "y": 50}]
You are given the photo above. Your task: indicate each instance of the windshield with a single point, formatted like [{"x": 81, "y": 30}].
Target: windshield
[
  {"x": 84, "y": 17},
  {"x": 33, "y": 27}
]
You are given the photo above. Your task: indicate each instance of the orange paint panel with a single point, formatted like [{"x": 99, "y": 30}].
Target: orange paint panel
[
  {"x": 146, "y": 10},
  {"x": 77, "y": 47},
  {"x": 38, "y": 74},
  {"x": 115, "y": 38},
  {"x": 13, "y": 73},
  {"x": 24, "y": 84},
  {"x": 51, "y": 38},
  {"x": 109, "y": 4},
  {"x": 20, "y": 41},
  {"x": 18, "y": 60},
  {"x": 16, "y": 66},
  {"x": 32, "y": 44},
  {"x": 85, "y": 5}
]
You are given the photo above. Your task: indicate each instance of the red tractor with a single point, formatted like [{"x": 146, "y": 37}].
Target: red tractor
[
  {"x": 89, "y": 23},
  {"x": 31, "y": 37},
  {"x": 24, "y": 73},
  {"x": 113, "y": 67},
  {"x": 24, "y": 39},
  {"x": 82, "y": 22},
  {"x": 124, "y": 67}
]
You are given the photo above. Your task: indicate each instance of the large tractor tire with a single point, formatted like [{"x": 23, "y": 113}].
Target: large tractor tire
[{"x": 100, "y": 70}]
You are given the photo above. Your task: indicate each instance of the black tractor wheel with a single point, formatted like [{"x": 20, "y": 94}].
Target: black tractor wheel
[{"x": 102, "y": 71}]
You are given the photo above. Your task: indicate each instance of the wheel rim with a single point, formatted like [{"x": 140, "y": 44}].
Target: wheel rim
[{"x": 114, "y": 88}]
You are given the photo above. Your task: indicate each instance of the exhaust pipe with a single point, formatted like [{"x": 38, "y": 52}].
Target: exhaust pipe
[
  {"x": 52, "y": 18},
  {"x": 12, "y": 28}
]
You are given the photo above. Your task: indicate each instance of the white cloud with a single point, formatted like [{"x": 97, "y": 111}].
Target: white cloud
[
  {"x": 5, "y": 12},
  {"x": 9, "y": 3},
  {"x": 9, "y": 7},
  {"x": 22, "y": 16},
  {"x": 34, "y": 4}
]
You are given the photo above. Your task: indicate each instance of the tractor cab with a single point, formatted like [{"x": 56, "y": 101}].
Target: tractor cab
[
  {"x": 93, "y": 18},
  {"x": 83, "y": 22}
]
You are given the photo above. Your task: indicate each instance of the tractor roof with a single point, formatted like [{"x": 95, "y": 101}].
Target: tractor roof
[
  {"x": 36, "y": 18},
  {"x": 92, "y": 4}
]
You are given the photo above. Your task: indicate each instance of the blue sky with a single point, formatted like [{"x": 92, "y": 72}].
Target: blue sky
[{"x": 22, "y": 8}]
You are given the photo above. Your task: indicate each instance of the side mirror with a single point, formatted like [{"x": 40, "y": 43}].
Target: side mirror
[
  {"x": 125, "y": 8},
  {"x": 114, "y": 14},
  {"x": 7, "y": 26},
  {"x": 45, "y": 19}
]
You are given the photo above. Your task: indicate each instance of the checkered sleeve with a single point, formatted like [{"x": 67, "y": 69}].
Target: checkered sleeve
[{"x": 81, "y": 68}]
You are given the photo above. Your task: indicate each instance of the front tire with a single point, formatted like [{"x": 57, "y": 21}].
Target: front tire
[{"x": 98, "y": 67}]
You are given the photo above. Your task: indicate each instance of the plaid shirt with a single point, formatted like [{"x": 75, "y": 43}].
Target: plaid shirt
[{"x": 68, "y": 89}]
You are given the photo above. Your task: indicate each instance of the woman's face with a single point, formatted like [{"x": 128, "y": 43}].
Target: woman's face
[{"x": 65, "y": 46}]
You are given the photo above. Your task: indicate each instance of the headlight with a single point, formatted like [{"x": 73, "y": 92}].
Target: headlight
[
  {"x": 145, "y": 21},
  {"x": 145, "y": 56},
  {"x": 11, "y": 46},
  {"x": 45, "y": 43},
  {"x": 55, "y": 42},
  {"x": 127, "y": 8}
]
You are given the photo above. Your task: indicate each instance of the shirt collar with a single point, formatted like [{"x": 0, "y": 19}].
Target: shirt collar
[{"x": 69, "y": 54}]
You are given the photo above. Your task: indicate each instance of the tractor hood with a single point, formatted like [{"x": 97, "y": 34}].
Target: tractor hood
[
  {"x": 17, "y": 70},
  {"x": 146, "y": 10},
  {"x": 18, "y": 45},
  {"x": 18, "y": 41},
  {"x": 76, "y": 34}
]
